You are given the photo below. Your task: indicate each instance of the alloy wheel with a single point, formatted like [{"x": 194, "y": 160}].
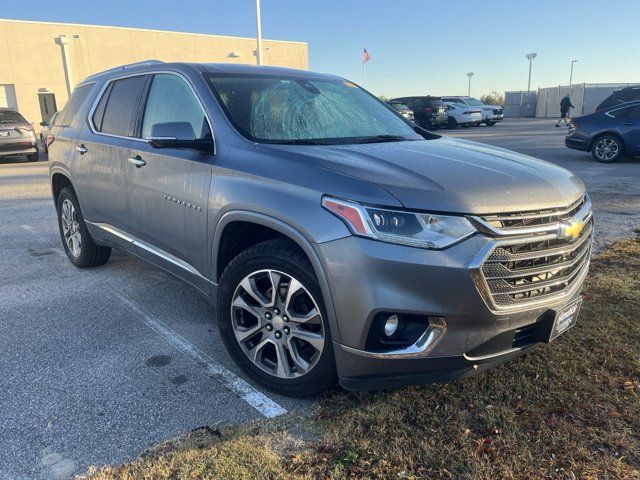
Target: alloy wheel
[
  {"x": 277, "y": 323},
  {"x": 606, "y": 149},
  {"x": 71, "y": 228}
]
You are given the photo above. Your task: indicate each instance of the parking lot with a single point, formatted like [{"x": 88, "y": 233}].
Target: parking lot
[{"x": 97, "y": 365}]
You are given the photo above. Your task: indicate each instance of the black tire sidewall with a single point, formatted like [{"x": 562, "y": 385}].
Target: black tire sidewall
[
  {"x": 269, "y": 255},
  {"x": 452, "y": 123},
  {"x": 84, "y": 258}
]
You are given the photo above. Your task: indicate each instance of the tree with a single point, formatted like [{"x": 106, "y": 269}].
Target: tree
[{"x": 493, "y": 98}]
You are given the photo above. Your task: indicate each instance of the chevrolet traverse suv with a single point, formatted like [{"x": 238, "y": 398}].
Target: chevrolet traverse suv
[{"x": 338, "y": 240}]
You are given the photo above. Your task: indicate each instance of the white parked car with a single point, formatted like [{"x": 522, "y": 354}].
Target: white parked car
[
  {"x": 463, "y": 115},
  {"x": 491, "y": 114}
]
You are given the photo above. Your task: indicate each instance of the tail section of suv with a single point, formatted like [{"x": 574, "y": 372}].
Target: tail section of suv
[
  {"x": 338, "y": 240},
  {"x": 429, "y": 112},
  {"x": 17, "y": 136}
]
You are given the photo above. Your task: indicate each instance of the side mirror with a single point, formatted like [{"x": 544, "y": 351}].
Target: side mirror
[
  {"x": 176, "y": 135},
  {"x": 44, "y": 124}
]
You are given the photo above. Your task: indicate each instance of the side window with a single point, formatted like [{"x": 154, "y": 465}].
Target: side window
[
  {"x": 634, "y": 112},
  {"x": 171, "y": 99},
  {"x": 119, "y": 113},
  {"x": 74, "y": 103},
  {"x": 98, "y": 114}
]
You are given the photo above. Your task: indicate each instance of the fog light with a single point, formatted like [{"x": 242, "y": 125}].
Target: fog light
[{"x": 391, "y": 325}]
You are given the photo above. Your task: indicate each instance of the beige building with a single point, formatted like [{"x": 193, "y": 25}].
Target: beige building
[{"x": 40, "y": 62}]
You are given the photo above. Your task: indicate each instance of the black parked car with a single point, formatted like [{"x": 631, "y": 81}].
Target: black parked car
[
  {"x": 609, "y": 133},
  {"x": 429, "y": 112},
  {"x": 627, "y": 94}
]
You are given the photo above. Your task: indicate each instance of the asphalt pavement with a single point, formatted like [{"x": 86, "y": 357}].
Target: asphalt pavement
[{"x": 98, "y": 365}]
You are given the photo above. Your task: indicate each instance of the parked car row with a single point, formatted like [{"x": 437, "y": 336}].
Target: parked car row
[{"x": 447, "y": 112}]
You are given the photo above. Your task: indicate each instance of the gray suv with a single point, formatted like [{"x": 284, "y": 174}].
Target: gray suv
[{"x": 338, "y": 240}]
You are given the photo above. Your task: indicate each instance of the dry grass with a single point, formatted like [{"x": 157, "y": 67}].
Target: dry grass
[{"x": 570, "y": 409}]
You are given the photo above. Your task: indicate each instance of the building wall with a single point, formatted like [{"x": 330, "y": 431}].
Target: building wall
[{"x": 31, "y": 56}]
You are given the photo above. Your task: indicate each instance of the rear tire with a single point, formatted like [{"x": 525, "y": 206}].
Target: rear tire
[
  {"x": 252, "y": 329},
  {"x": 489, "y": 123},
  {"x": 453, "y": 123},
  {"x": 465, "y": 125},
  {"x": 607, "y": 149},
  {"x": 78, "y": 244}
]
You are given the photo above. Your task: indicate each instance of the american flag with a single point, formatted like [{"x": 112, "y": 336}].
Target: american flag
[{"x": 366, "y": 57}]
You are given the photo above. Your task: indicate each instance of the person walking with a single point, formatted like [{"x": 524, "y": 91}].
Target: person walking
[{"x": 565, "y": 105}]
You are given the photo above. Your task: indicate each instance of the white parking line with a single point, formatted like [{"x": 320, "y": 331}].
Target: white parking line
[{"x": 253, "y": 397}]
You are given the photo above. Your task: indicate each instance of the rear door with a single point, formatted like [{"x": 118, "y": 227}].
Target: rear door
[
  {"x": 631, "y": 130},
  {"x": 106, "y": 175},
  {"x": 171, "y": 189}
]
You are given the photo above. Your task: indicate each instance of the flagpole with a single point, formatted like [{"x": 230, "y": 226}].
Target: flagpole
[{"x": 363, "y": 72}]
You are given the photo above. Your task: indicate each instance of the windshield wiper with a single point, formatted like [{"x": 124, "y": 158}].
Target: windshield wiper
[
  {"x": 381, "y": 138},
  {"x": 299, "y": 141}
]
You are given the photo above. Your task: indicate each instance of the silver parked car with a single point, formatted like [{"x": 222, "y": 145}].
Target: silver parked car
[
  {"x": 46, "y": 128},
  {"x": 338, "y": 239},
  {"x": 17, "y": 136}
]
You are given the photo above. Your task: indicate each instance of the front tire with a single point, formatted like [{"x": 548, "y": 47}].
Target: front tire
[
  {"x": 489, "y": 123},
  {"x": 78, "y": 244},
  {"x": 272, "y": 319},
  {"x": 607, "y": 149}
]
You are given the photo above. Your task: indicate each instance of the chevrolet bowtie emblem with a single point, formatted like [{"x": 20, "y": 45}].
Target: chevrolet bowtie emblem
[{"x": 570, "y": 229}]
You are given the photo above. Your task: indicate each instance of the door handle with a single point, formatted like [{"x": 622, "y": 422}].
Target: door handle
[
  {"x": 81, "y": 149},
  {"x": 137, "y": 161}
]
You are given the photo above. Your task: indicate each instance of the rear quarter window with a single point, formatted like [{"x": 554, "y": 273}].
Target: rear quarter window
[{"x": 74, "y": 103}]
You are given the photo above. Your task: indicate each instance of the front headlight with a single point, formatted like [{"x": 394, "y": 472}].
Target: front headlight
[{"x": 424, "y": 230}]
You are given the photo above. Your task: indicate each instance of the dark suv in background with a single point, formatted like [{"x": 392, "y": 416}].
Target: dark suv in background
[
  {"x": 429, "y": 112},
  {"x": 17, "y": 136},
  {"x": 335, "y": 238}
]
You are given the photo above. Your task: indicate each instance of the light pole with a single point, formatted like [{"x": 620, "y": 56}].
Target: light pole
[
  {"x": 470, "y": 74},
  {"x": 571, "y": 74},
  {"x": 259, "y": 35},
  {"x": 530, "y": 57},
  {"x": 63, "y": 41}
]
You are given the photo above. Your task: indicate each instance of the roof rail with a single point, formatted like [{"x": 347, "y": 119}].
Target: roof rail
[{"x": 124, "y": 67}]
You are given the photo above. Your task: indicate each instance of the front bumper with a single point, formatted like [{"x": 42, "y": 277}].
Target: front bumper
[{"x": 367, "y": 277}]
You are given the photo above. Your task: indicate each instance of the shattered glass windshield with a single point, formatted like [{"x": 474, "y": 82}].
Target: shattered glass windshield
[{"x": 294, "y": 110}]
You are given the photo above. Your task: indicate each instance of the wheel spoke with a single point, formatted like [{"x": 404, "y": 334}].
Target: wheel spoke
[
  {"x": 283, "y": 368},
  {"x": 301, "y": 364},
  {"x": 240, "y": 302},
  {"x": 306, "y": 318},
  {"x": 275, "y": 278},
  {"x": 243, "y": 335},
  {"x": 249, "y": 286},
  {"x": 294, "y": 286},
  {"x": 315, "y": 339},
  {"x": 253, "y": 353}
]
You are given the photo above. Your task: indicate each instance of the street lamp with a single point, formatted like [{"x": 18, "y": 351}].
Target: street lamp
[
  {"x": 470, "y": 74},
  {"x": 571, "y": 74},
  {"x": 530, "y": 57},
  {"x": 259, "y": 33}
]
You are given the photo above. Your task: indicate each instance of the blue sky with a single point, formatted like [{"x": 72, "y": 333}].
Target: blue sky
[{"x": 418, "y": 46}]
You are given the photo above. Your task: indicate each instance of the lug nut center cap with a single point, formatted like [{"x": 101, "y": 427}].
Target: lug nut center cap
[{"x": 278, "y": 323}]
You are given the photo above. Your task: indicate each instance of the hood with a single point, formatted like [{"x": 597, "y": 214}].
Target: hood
[{"x": 447, "y": 175}]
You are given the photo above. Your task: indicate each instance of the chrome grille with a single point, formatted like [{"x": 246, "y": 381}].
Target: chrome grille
[
  {"x": 535, "y": 217},
  {"x": 533, "y": 265}
]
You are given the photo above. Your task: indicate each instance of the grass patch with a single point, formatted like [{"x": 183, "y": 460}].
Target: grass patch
[{"x": 570, "y": 409}]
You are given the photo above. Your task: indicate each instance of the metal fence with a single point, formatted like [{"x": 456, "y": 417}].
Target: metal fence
[
  {"x": 520, "y": 104},
  {"x": 585, "y": 97}
]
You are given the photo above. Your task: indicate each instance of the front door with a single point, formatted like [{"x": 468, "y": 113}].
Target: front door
[{"x": 171, "y": 186}]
